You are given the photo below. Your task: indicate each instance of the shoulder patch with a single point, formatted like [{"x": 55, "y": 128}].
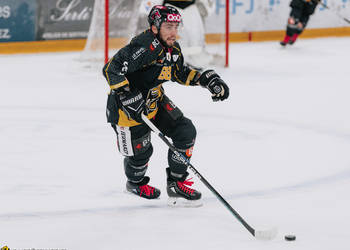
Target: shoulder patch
[{"x": 154, "y": 44}]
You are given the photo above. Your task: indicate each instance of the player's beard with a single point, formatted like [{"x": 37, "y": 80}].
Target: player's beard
[
  {"x": 171, "y": 41},
  {"x": 168, "y": 41}
]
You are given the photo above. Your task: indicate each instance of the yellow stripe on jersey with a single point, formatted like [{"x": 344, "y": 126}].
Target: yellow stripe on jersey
[
  {"x": 117, "y": 86},
  {"x": 178, "y": 49},
  {"x": 109, "y": 63},
  {"x": 178, "y": 79},
  {"x": 125, "y": 122},
  {"x": 190, "y": 77}
]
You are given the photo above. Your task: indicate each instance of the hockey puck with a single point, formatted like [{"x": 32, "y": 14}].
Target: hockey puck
[{"x": 290, "y": 237}]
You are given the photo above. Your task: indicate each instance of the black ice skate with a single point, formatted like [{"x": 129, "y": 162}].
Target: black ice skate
[
  {"x": 142, "y": 189},
  {"x": 283, "y": 43},
  {"x": 179, "y": 193}
]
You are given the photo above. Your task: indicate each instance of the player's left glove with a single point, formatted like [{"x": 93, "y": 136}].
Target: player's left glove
[{"x": 212, "y": 81}]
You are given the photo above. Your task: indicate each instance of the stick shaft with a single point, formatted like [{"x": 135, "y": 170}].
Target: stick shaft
[{"x": 195, "y": 171}]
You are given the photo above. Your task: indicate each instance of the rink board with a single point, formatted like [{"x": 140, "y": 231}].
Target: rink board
[{"x": 78, "y": 44}]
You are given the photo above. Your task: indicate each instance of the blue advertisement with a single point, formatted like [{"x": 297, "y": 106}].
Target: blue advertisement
[
  {"x": 17, "y": 20},
  {"x": 249, "y": 6}
]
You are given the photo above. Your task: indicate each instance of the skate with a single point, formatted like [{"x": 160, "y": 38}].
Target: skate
[
  {"x": 180, "y": 195},
  {"x": 293, "y": 39},
  {"x": 285, "y": 41},
  {"x": 142, "y": 189}
]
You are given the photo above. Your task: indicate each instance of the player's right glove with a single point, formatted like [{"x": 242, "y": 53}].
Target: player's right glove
[
  {"x": 133, "y": 104},
  {"x": 212, "y": 81}
]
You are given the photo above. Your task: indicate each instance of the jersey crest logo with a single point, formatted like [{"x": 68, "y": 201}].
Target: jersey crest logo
[
  {"x": 165, "y": 74},
  {"x": 152, "y": 98},
  {"x": 175, "y": 57}
]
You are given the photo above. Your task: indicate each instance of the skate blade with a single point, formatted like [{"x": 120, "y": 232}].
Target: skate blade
[{"x": 181, "y": 202}]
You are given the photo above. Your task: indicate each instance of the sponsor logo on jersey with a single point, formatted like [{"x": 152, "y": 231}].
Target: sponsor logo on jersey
[
  {"x": 154, "y": 44},
  {"x": 175, "y": 57},
  {"x": 138, "y": 53}
]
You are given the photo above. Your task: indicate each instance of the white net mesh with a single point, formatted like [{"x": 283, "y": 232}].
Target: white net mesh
[
  {"x": 127, "y": 18},
  {"x": 201, "y": 49},
  {"x": 123, "y": 18}
]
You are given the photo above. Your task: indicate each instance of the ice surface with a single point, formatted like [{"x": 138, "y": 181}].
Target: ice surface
[{"x": 278, "y": 151}]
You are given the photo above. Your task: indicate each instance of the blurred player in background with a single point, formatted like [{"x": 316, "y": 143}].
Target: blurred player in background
[{"x": 298, "y": 19}]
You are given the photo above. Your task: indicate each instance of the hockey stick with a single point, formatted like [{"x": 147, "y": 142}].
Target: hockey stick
[
  {"x": 326, "y": 7},
  {"x": 259, "y": 234}
]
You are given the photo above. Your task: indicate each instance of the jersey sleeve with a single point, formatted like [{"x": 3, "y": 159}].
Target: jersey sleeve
[
  {"x": 184, "y": 74},
  {"x": 129, "y": 59}
]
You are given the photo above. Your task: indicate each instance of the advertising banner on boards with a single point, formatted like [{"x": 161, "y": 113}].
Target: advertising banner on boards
[
  {"x": 17, "y": 20},
  {"x": 63, "y": 19}
]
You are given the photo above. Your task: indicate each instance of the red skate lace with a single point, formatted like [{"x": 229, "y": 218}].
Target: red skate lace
[
  {"x": 182, "y": 186},
  {"x": 147, "y": 190}
]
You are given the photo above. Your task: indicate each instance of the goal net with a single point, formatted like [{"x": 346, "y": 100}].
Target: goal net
[
  {"x": 127, "y": 18},
  {"x": 121, "y": 26}
]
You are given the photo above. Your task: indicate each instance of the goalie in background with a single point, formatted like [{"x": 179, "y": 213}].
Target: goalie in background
[{"x": 298, "y": 19}]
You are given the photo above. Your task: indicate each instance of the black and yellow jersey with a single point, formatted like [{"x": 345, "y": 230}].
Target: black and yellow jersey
[{"x": 144, "y": 65}]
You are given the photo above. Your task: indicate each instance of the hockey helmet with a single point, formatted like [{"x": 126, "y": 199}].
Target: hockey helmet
[{"x": 161, "y": 13}]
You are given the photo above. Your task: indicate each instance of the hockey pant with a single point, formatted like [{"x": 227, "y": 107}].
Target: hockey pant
[
  {"x": 301, "y": 14},
  {"x": 134, "y": 143}
]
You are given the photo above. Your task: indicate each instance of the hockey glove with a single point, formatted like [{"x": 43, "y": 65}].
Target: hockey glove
[
  {"x": 133, "y": 104},
  {"x": 212, "y": 81}
]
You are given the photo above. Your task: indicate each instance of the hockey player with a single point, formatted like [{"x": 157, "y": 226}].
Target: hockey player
[
  {"x": 299, "y": 17},
  {"x": 135, "y": 76}
]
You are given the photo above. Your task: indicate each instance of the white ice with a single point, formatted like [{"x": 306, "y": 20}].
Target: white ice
[{"x": 278, "y": 151}]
